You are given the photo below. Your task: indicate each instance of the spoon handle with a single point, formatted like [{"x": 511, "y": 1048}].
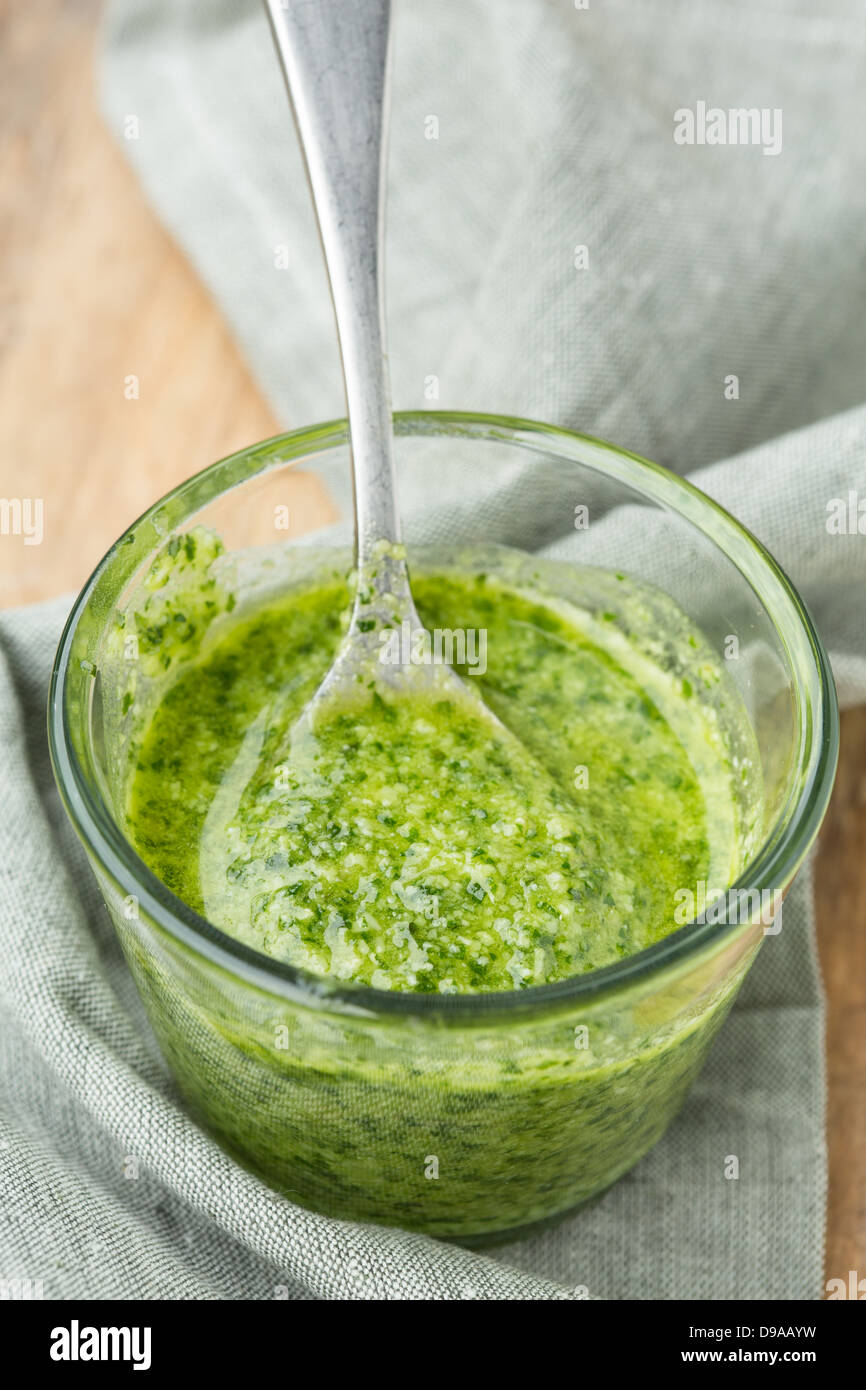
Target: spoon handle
[{"x": 334, "y": 54}]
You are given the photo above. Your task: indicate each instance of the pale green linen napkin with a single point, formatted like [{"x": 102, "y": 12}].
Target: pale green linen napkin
[{"x": 554, "y": 130}]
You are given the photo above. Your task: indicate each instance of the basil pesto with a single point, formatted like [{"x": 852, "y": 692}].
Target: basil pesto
[{"x": 412, "y": 849}]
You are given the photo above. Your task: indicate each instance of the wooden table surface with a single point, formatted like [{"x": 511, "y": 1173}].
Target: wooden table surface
[{"x": 93, "y": 290}]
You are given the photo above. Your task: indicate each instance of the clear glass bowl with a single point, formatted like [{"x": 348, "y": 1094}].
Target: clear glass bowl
[{"x": 471, "y": 1117}]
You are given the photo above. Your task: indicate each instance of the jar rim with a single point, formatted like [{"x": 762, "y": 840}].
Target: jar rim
[{"x": 770, "y": 869}]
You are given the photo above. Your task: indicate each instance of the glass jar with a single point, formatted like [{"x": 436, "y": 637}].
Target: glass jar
[{"x": 470, "y": 1117}]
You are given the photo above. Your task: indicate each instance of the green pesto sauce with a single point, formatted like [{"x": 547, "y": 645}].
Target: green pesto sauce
[{"x": 412, "y": 848}]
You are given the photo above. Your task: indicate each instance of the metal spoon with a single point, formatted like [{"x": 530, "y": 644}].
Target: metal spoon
[{"x": 334, "y": 54}]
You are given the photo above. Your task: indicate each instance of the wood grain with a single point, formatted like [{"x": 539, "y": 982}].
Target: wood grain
[
  {"x": 840, "y": 894},
  {"x": 92, "y": 291}
]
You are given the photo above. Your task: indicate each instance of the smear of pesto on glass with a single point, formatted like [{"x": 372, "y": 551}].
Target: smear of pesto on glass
[{"x": 408, "y": 852}]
